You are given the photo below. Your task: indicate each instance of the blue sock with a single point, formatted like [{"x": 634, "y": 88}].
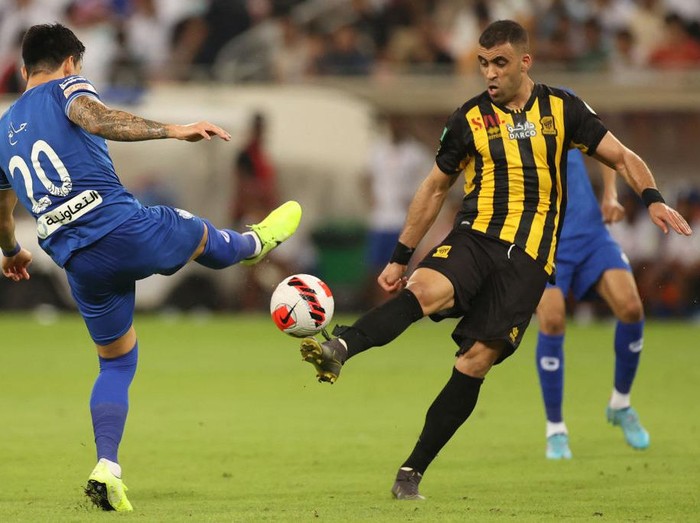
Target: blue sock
[
  {"x": 550, "y": 367},
  {"x": 109, "y": 402},
  {"x": 628, "y": 346},
  {"x": 225, "y": 248}
]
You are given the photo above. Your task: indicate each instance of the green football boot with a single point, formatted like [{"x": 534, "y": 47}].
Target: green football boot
[
  {"x": 106, "y": 490},
  {"x": 275, "y": 228}
]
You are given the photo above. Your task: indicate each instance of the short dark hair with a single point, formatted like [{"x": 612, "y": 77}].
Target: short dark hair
[
  {"x": 46, "y": 46},
  {"x": 502, "y": 32}
]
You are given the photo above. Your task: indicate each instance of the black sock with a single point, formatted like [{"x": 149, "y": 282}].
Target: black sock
[
  {"x": 382, "y": 324},
  {"x": 450, "y": 409}
]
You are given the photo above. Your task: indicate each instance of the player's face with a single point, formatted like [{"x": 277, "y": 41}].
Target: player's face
[{"x": 504, "y": 69}]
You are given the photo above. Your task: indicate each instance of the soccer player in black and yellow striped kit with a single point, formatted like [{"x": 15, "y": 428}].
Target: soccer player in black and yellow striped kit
[{"x": 511, "y": 143}]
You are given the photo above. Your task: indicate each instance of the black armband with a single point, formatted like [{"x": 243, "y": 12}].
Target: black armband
[
  {"x": 11, "y": 252},
  {"x": 402, "y": 254},
  {"x": 650, "y": 196}
]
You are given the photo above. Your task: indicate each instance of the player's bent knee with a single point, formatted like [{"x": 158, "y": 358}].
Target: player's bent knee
[
  {"x": 478, "y": 360},
  {"x": 631, "y": 312},
  {"x": 552, "y": 325},
  {"x": 118, "y": 347},
  {"x": 433, "y": 291}
]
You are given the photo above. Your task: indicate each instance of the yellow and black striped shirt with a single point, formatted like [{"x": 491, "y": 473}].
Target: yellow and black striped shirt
[{"x": 514, "y": 164}]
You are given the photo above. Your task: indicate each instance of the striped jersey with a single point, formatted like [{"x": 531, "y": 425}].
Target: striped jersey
[{"x": 514, "y": 164}]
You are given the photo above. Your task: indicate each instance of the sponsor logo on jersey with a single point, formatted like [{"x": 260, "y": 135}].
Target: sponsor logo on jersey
[
  {"x": 521, "y": 131},
  {"x": 442, "y": 252},
  {"x": 491, "y": 122},
  {"x": 67, "y": 213}
]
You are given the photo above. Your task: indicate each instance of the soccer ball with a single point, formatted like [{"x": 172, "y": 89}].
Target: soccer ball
[{"x": 302, "y": 305}]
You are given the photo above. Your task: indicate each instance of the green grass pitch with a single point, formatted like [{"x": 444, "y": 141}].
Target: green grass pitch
[{"x": 227, "y": 424}]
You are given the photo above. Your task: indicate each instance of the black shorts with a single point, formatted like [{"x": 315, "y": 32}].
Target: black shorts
[{"x": 497, "y": 288}]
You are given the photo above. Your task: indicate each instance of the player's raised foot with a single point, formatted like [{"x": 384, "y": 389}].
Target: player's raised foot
[
  {"x": 106, "y": 490},
  {"x": 637, "y": 437},
  {"x": 275, "y": 228},
  {"x": 558, "y": 447},
  {"x": 327, "y": 357},
  {"x": 406, "y": 485}
]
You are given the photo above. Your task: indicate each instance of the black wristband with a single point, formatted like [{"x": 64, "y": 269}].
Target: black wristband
[
  {"x": 651, "y": 195},
  {"x": 402, "y": 254},
  {"x": 12, "y": 252}
]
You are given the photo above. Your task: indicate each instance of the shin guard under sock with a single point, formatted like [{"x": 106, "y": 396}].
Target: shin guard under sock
[
  {"x": 109, "y": 402},
  {"x": 382, "y": 324},
  {"x": 225, "y": 247},
  {"x": 550, "y": 367},
  {"x": 628, "y": 348},
  {"x": 448, "y": 412}
]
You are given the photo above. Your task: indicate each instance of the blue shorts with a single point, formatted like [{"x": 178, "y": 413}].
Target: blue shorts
[
  {"x": 380, "y": 247},
  {"x": 102, "y": 276},
  {"x": 580, "y": 264}
]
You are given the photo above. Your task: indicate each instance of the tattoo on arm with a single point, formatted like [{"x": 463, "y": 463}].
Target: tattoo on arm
[{"x": 113, "y": 124}]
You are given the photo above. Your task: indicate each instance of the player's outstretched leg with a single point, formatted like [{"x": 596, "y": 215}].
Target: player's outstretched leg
[
  {"x": 627, "y": 418},
  {"x": 327, "y": 357},
  {"x": 275, "y": 228},
  {"x": 375, "y": 328},
  {"x": 106, "y": 489},
  {"x": 406, "y": 485}
]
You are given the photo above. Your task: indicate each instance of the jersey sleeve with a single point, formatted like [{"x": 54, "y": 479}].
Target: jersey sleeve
[
  {"x": 4, "y": 182},
  {"x": 586, "y": 128},
  {"x": 454, "y": 144},
  {"x": 73, "y": 87}
]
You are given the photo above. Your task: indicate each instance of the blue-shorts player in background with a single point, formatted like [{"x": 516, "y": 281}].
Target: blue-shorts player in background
[
  {"x": 590, "y": 262},
  {"x": 54, "y": 159}
]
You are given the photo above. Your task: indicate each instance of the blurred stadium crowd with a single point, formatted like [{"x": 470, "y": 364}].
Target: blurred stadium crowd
[
  {"x": 133, "y": 44},
  {"x": 134, "y": 41}
]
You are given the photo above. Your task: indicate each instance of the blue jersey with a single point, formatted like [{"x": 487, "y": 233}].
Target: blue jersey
[
  {"x": 586, "y": 250},
  {"x": 61, "y": 174},
  {"x": 583, "y": 220}
]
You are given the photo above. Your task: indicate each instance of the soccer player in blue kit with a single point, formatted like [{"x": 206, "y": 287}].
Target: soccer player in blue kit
[
  {"x": 54, "y": 160},
  {"x": 590, "y": 262}
]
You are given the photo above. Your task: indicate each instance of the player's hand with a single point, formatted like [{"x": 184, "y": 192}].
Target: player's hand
[
  {"x": 197, "y": 131},
  {"x": 664, "y": 217},
  {"x": 16, "y": 267},
  {"x": 393, "y": 277},
  {"x": 612, "y": 210}
]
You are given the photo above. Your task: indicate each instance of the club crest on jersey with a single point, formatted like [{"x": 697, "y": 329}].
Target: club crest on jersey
[
  {"x": 548, "y": 127},
  {"x": 442, "y": 252},
  {"x": 185, "y": 215},
  {"x": 521, "y": 131}
]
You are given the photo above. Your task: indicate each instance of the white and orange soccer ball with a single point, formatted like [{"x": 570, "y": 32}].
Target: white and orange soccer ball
[{"x": 302, "y": 305}]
